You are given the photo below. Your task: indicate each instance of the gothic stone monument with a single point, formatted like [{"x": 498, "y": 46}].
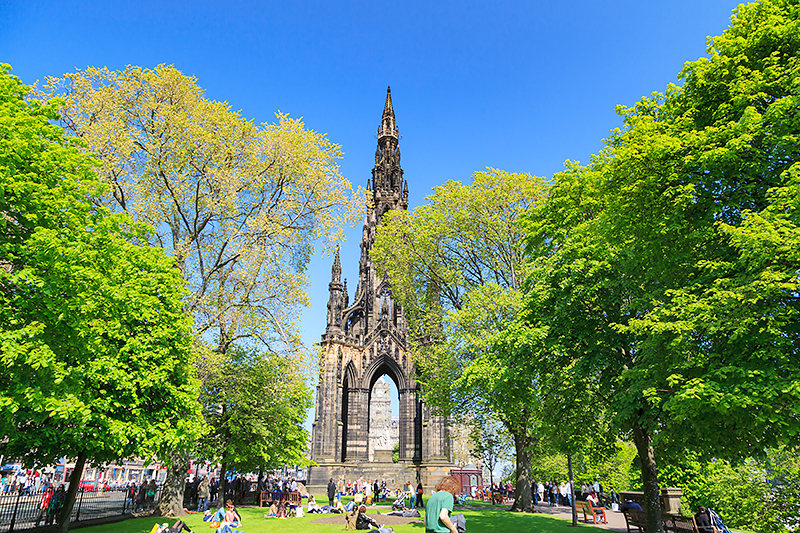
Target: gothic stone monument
[{"x": 365, "y": 339}]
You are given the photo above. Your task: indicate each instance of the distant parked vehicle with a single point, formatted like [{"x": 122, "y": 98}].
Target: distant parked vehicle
[{"x": 91, "y": 485}]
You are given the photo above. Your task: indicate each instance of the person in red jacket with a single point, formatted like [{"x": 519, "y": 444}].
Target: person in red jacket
[{"x": 44, "y": 504}]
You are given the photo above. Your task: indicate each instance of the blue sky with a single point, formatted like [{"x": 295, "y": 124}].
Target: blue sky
[{"x": 520, "y": 86}]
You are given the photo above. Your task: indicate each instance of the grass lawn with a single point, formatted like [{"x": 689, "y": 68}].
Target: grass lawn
[{"x": 485, "y": 520}]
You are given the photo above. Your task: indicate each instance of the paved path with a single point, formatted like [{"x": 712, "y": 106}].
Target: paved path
[{"x": 616, "y": 521}]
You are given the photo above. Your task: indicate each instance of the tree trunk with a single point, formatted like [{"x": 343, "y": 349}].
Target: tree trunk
[
  {"x": 74, "y": 483},
  {"x": 171, "y": 502},
  {"x": 652, "y": 496},
  {"x": 223, "y": 482},
  {"x": 491, "y": 480},
  {"x": 523, "y": 499},
  {"x": 572, "y": 490}
]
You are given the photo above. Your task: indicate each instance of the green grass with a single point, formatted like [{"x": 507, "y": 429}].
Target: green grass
[{"x": 486, "y": 520}]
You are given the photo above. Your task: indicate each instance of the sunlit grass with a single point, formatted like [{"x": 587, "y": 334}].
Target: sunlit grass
[{"x": 486, "y": 520}]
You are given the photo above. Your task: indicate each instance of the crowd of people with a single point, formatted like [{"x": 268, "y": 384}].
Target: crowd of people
[
  {"x": 367, "y": 491},
  {"x": 143, "y": 496},
  {"x": 203, "y": 491},
  {"x": 26, "y": 482},
  {"x": 555, "y": 494}
]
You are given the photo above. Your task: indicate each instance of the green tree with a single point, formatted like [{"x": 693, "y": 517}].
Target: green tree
[
  {"x": 758, "y": 493},
  {"x": 239, "y": 206},
  {"x": 492, "y": 442},
  {"x": 456, "y": 268},
  {"x": 255, "y": 406},
  {"x": 665, "y": 269},
  {"x": 96, "y": 348}
]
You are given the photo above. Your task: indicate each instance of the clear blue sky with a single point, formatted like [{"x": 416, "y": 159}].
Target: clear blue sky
[{"x": 520, "y": 86}]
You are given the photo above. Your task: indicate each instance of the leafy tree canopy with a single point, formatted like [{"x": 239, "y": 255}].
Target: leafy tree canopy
[
  {"x": 96, "y": 348},
  {"x": 255, "y": 407},
  {"x": 238, "y": 205},
  {"x": 665, "y": 271},
  {"x": 457, "y": 268}
]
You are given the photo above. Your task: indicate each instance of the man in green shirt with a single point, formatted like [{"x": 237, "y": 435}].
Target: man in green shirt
[{"x": 440, "y": 505}]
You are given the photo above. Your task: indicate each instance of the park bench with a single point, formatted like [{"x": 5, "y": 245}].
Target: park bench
[
  {"x": 280, "y": 497},
  {"x": 680, "y": 524},
  {"x": 672, "y": 523},
  {"x": 635, "y": 519},
  {"x": 587, "y": 510}
]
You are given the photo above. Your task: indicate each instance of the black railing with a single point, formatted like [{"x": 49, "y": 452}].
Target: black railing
[{"x": 23, "y": 511}]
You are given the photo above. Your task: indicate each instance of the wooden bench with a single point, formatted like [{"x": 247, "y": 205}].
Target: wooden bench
[
  {"x": 681, "y": 524},
  {"x": 280, "y": 497},
  {"x": 594, "y": 512},
  {"x": 635, "y": 519},
  {"x": 672, "y": 523}
]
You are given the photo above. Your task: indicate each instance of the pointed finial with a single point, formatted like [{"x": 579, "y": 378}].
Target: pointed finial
[
  {"x": 388, "y": 109},
  {"x": 336, "y": 270},
  {"x": 388, "y": 128}
]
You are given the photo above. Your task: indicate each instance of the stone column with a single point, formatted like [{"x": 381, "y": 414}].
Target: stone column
[
  {"x": 357, "y": 426},
  {"x": 328, "y": 404},
  {"x": 409, "y": 426},
  {"x": 435, "y": 438},
  {"x": 339, "y": 425}
]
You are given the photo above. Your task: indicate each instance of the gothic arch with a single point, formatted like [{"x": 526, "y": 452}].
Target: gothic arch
[
  {"x": 349, "y": 381},
  {"x": 349, "y": 376},
  {"x": 380, "y": 365}
]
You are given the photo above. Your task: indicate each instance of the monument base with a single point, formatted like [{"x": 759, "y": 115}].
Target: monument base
[
  {"x": 394, "y": 474},
  {"x": 382, "y": 456}
]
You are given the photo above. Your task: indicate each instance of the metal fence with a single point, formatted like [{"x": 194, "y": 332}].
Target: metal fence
[{"x": 23, "y": 511}]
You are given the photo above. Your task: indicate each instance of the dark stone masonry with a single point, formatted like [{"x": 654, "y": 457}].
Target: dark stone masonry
[{"x": 365, "y": 339}]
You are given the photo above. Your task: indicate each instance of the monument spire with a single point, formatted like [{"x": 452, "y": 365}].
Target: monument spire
[
  {"x": 336, "y": 270},
  {"x": 388, "y": 127},
  {"x": 336, "y": 299},
  {"x": 368, "y": 337},
  {"x": 388, "y": 109},
  {"x": 387, "y": 176}
]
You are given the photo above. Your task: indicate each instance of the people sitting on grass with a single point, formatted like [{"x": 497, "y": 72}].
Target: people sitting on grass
[
  {"x": 336, "y": 508},
  {"x": 312, "y": 505},
  {"x": 364, "y": 521},
  {"x": 282, "y": 512},
  {"x": 226, "y": 519},
  {"x": 350, "y": 519},
  {"x": 273, "y": 510}
]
